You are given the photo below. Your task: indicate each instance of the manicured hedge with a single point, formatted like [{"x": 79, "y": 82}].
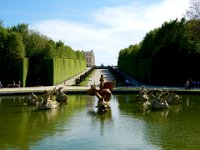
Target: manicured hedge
[
  {"x": 138, "y": 68},
  {"x": 39, "y": 72},
  {"x": 162, "y": 71},
  {"x": 66, "y": 68},
  {"x": 53, "y": 71},
  {"x": 13, "y": 70}
]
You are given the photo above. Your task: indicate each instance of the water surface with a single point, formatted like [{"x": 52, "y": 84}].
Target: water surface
[{"x": 76, "y": 125}]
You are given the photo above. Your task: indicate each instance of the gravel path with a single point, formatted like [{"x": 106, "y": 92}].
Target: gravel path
[{"x": 97, "y": 74}]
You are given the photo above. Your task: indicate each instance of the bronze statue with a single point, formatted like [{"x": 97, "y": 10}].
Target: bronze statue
[
  {"x": 103, "y": 93},
  {"x": 60, "y": 95},
  {"x": 42, "y": 102}
]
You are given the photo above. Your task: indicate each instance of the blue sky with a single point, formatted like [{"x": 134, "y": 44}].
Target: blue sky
[{"x": 104, "y": 26}]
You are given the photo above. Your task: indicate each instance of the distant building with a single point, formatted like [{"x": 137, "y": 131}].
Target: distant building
[{"x": 89, "y": 56}]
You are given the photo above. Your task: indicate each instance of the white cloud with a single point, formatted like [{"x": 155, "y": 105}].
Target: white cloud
[{"x": 117, "y": 27}]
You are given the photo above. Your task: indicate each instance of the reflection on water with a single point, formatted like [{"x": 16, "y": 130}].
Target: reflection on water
[
  {"x": 78, "y": 125},
  {"x": 100, "y": 118}
]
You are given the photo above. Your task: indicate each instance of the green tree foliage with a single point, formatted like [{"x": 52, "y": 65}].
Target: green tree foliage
[
  {"x": 3, "y": 40},
  {"x": 35, "y": 44},
  {"x": 15, "y": 47},
  {"x": 69, "y": 53},
  {"x": 79, "y": 55},
  {"x": 190, "y": 41},
  {"x": 164, "y": 41},
  {"x": 128, "y": 54},
  {"x": 147, "y": 44},
  {"x": 176, "y": 44},
  {"x": 19, "y": 41},
  {"x": 173, "y": 39},
  {"x": 23, "y": 30},
  {"x": 49, "y": 50},
  {"x": 64, "y": 51},
  {"x": 192, "y": 29}
]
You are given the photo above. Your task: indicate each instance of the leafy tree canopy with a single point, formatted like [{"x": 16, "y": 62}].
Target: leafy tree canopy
[{"x": 19, "y": 41}]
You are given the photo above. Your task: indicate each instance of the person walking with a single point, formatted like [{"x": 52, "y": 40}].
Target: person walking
[
  {"x": 1, "y": 85},
  {"x": 127, "y": 83}
]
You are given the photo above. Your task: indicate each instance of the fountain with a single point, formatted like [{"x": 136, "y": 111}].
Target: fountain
[{"x": 103, "y": 93}]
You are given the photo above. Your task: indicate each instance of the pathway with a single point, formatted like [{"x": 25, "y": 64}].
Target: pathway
[
  {"x": 97, "y": 74},
  {"x": 94, "y": 78}
]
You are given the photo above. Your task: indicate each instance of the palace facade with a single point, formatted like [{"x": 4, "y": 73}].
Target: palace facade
[{"x": 90, "y": 59}]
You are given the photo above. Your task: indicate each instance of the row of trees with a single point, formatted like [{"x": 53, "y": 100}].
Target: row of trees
[
  {"x": 172, "y": 39},
  {"x": 35, "y": 59},
  {"x": 19, "y": 42},
  {"x": 172, "y": 51}
]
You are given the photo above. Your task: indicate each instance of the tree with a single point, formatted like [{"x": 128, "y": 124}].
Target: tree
[
  {"x": 193, "y": 11},
  {"x": 21, "y": 28},
  {"x": 193, "y": 30},
  {"x": 3, "y": 40},
  {"x": 178, "y": 41},
  {"x": 35, "y": 44},
  {"x": 15, "y": 47},
  {"x": 49, "y": 50}
]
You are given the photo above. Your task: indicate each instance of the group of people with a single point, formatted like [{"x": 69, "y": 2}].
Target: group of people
[
  {"x": 190, "y": 84},
  {"x": 12, "y": 85}
]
